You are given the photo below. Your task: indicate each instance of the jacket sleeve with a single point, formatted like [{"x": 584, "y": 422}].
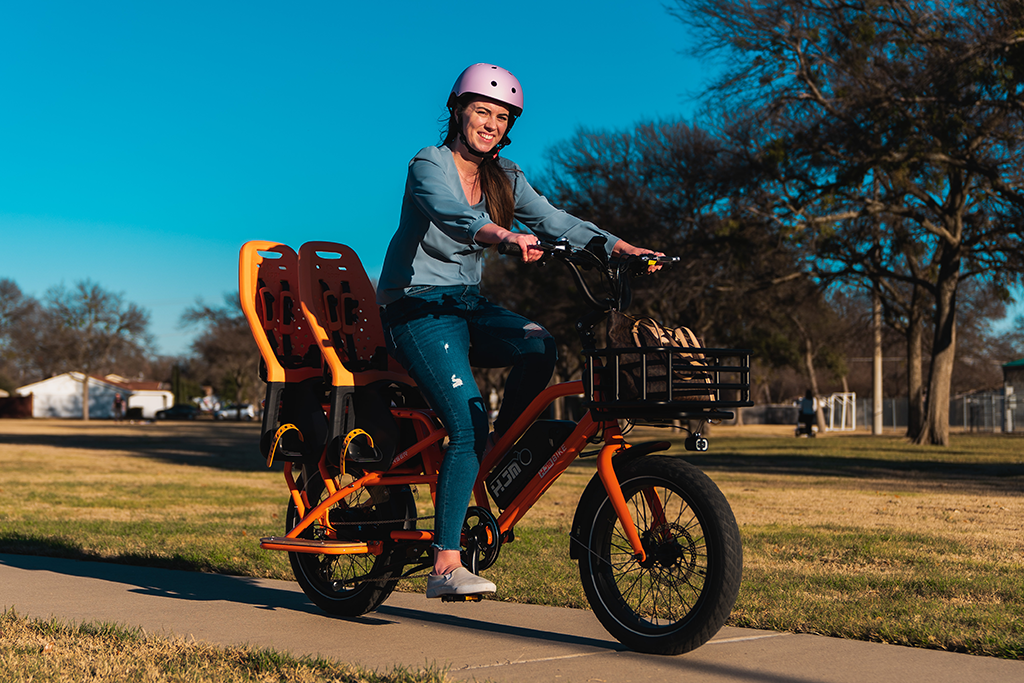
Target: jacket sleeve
[
  {"x": 535, "y": 212},
  {"x": 436, "y": 193}
]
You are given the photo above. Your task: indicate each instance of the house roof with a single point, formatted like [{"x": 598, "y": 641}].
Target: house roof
[
  {"x": 76, "y": 376},
  {"x": 133, "y": 385},
  {"x": 1015, "y": 364}
]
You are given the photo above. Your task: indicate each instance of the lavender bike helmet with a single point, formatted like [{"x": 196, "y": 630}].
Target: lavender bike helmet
[
  {"x": 495, "y": 83},
  {"x": 490, "y": 81}
]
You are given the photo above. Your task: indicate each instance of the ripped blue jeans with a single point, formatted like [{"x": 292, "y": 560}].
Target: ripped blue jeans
[{"x": 437, "y": 334}]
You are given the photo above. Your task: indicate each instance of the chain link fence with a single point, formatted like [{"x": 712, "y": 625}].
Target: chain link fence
[{"x": 981, "y": 412}]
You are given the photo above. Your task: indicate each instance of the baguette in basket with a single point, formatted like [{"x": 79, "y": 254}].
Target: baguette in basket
[{"x": 682, "y": 350}]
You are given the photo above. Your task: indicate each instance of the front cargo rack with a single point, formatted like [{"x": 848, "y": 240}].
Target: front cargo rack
[{"x": 629, "y": 383}]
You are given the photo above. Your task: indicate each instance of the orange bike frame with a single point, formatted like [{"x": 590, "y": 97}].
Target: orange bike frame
[{"x": 430, "y": 436}]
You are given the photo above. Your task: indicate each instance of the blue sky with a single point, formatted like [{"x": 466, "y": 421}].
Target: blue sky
[{"x": 143, "y": 143}]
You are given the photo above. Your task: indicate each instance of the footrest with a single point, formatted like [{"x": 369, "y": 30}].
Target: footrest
[
  {"x": 307, "y": 545},
  {"x": 475, "y": 597}
]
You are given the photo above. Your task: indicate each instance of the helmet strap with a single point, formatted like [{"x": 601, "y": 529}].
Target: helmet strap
[{"x": 469, "y": 148}]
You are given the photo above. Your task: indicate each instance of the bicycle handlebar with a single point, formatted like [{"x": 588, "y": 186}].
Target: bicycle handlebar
[
  {"x": 567, "y": 252},
  {"x": 617, "y": 276}
]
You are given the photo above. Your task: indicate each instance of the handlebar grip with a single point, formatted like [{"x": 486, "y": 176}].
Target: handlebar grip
[{"x": 509, "y": 249}]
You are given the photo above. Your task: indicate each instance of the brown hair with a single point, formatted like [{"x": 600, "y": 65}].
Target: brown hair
[{"x": 494, "y": 182}]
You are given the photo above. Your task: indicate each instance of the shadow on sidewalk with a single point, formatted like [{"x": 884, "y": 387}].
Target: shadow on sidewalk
[
  {"x": 170, "y": 583},
  {"x": 257, "y": 593}
]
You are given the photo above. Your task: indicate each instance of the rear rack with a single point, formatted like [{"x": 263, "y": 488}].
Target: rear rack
[{"x": 630, "y": 383}]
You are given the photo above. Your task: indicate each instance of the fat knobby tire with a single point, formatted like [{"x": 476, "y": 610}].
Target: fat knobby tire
[{"x": 682, "y": 594}]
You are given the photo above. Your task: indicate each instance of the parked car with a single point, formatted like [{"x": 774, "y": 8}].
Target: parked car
[
  {"x": 236, "y": 411},
  {"x": 181, "y": 411}
]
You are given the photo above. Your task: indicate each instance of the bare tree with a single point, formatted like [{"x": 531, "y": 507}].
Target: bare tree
[
  {"x": 1013, "y": 339},
  {"x": 15, "y": 311},
  {"x": 903, "y": 109},
  {"x": 226, "y": 348},
  {"x": 84, "y": 328}
]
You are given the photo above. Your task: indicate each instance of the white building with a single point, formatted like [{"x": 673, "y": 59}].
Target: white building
[
  {"x": 61, "y": 396},
  {"x": 149, "y": 396}
]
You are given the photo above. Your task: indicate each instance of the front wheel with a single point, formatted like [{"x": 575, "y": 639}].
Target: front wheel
[
  {"x": 682, "y": 593},
  {"x": 352, "y": 585}
]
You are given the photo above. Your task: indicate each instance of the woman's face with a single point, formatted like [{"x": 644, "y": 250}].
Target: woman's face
[{"x": 484, "y": 124}]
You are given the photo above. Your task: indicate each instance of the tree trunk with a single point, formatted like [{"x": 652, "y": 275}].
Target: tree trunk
[
  {"x": 877, "y": 397},
  {"x": 813, "y": 378},
  {"x": 935, "y": 429},
  {"x": 915, "y": 365},
  {"x": 85, "y": 396}
]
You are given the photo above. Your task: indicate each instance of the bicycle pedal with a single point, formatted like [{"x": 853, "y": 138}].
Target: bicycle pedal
[{"x": 475, "y": 597}]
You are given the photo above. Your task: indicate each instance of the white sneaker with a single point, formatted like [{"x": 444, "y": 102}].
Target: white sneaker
[{"x": 459, "y": 581}]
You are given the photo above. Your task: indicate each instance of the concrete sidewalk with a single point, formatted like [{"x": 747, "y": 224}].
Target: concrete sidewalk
[{"x": 491, "y": 640}]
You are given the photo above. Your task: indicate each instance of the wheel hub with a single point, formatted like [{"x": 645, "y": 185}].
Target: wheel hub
[{"x": 669, "y": 547}]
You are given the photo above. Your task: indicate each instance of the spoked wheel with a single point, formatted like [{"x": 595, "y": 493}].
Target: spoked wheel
[
  {"x": 680, "y": 596},
  {"x": 351, "y": 585}
]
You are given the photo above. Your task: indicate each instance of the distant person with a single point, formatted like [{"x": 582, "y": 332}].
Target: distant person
[
  {"x": 808, "y": 414},
  {"x": 118, "y": 407},
  {"x": 461, "y": 197}
]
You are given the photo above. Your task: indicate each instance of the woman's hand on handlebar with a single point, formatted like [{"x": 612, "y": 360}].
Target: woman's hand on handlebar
[
  {"x": 529, "y": 251},
  {"x": 623, "y": 249},
  {"x": 525, "y": 242}
]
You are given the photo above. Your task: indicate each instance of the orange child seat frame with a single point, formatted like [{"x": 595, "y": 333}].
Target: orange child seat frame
[
  {"x": 268, "y": 285},
  {"x": 340, "y": 304},
  {"x": 317, "y": 325}
]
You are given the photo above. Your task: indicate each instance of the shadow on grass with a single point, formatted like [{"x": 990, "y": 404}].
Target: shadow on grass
[
  {"x": 19, "y": 544},
  {"x": 1003, "y": 476},
  {"x": 223, "y": 445},
  {"x": 235, "y": 446},
  {"x": 989, "y": 477}
]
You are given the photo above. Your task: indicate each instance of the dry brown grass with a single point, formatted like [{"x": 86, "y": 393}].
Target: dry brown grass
[
  {"x": 858, "y": 536},
  {"x": 51, "y": 651}
]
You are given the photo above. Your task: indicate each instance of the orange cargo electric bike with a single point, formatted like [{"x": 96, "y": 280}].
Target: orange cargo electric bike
[{"x": 658, "y": 548}]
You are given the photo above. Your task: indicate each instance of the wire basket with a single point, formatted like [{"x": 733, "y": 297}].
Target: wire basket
[{"x": 631, "y": 383}]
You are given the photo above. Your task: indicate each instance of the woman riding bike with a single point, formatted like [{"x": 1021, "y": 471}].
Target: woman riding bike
[{"x": 460, "y": 197}]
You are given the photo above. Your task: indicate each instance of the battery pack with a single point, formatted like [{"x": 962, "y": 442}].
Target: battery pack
[{"x": 525, "y": 459}]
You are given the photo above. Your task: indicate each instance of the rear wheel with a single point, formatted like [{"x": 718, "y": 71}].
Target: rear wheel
[
  {"x": 682, "y": 593},
  {"x": 351, "y": 585}
]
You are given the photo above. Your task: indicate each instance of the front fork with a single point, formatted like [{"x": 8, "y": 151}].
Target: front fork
[{"x": 613, "y": 443}]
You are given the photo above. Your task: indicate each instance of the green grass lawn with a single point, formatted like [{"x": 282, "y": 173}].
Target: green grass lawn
[{"x": 852, "y": 536}]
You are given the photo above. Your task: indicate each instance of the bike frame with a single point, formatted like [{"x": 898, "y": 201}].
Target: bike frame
[
  {"x": 319, "y": 267},
  {"x": 329, "y": 376},
  {"x": 428, "y": 447}
]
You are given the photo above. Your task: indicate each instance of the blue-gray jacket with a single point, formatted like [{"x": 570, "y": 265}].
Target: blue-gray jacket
[{"x": 434, "y": 242}]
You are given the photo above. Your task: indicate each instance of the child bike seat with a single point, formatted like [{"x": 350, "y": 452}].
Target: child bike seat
[
  {"x": 340, "y": 304},
  {"x": 268, "y": 285}
]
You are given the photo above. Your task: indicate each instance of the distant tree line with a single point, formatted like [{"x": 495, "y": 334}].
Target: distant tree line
[
  {"x": 88, "y": 329},
  {"x": 848, "y": 151}
]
